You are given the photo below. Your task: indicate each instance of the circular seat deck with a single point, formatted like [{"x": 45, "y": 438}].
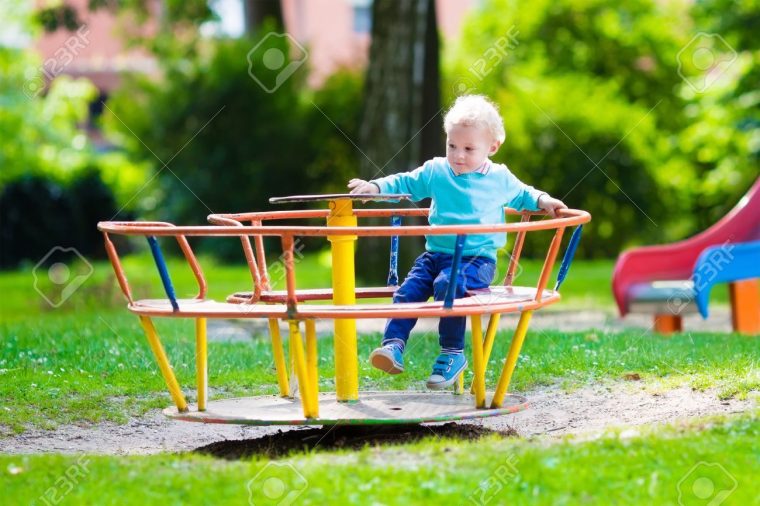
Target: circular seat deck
[
  {"x": 496, "y": 299},
  {"x": 372, "y": 408}
]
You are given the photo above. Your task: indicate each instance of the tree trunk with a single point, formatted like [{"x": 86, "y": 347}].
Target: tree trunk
[
  {"x": 401, "y": 120},
  {"x": 399, "y": 129}
]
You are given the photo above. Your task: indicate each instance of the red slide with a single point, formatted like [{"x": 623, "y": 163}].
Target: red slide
[{"x": 674, "y": 262}]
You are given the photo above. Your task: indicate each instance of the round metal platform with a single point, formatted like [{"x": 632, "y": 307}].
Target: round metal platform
[{"x": 372, "y": 408}]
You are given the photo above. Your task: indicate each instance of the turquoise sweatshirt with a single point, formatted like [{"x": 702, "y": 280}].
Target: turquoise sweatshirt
[{"x": 474, "y": 198}]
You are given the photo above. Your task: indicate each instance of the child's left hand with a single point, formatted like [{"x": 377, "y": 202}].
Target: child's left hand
[{"x": 550, "y": 204}]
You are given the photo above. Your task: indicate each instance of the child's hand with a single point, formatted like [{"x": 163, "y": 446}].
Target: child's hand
[
  {"x": 359, "y": 186},
  {"x": 550, "y": 204}
]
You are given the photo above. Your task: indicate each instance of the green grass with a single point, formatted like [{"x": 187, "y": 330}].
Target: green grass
[
  {"x": 87, "y": 361},
  {"x": 68, "y": 369},
  {"x": 696, "y": 460}
]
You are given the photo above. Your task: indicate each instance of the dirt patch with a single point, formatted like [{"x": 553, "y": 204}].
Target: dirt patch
[
  {"x": 553, "y": 412},
  {"x": 344, "y": 437},
  {"x": 590, "y": 411}
]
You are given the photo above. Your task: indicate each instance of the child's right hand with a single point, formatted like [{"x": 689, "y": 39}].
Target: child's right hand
[{"x": 360, "y": 186}]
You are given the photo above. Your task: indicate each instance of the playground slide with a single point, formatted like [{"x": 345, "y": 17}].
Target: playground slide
[
  {"x": 717, "y": 264},
  {"x": 673, "y": 262}
]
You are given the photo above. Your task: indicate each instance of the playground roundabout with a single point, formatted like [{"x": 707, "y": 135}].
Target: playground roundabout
[{"x": 299, "y": 401}]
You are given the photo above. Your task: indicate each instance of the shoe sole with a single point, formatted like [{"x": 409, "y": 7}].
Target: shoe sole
[
  {"x": 384, "y": 363},
  {"x": 446, "y": 384}
]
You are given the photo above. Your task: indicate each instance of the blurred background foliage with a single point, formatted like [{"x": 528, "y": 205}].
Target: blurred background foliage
[
  {"x": 54, "y": 186},
  {"x": 260, "y": 145},
  {"x": 228, "y": 145},
  {"x": 598, "y": 113},
  {"x": 595, "y": 106}
]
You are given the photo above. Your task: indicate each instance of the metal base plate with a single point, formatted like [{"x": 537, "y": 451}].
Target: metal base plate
[
  {"x": 337, "y": 196},
  {"x": 372, "y": 408}
]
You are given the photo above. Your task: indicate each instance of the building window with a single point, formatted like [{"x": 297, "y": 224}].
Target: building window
[{"x": 362, "y": 15}]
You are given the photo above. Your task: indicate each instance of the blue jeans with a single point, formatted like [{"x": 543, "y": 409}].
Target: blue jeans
[{"x": 430, "y": 275}]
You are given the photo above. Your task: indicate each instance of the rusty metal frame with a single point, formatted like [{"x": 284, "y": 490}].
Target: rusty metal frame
[{"x": 230, "y": 225}]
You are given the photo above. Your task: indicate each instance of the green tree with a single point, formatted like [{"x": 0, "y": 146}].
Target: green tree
[
  {"x": 39, "y": 134},
  {"x": 228, "y": 143},
  {"x": 401, "y": 120},
  {"x": 722, "y": 138},
  {"x": 51, "y": 189},
  {"x": 598, "y": 113}
]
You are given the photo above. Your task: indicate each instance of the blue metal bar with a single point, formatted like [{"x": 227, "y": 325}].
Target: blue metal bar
[
  {"x": 448, "y": 301},
  {"x": 393, "y": 273},
  {"x": 568, "y": 258},
  {"x": 158, "y": 257}
]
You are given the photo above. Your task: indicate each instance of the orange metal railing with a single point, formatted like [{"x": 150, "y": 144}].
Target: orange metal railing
[{"x": 232, "y": 225}]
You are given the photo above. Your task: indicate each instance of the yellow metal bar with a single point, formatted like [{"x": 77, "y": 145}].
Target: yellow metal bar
[
  {"x": 296, "y": 350},
  {"x": 479, "y": 382},
  {"x": 509, "y": 365},
  {"x": 294, "y": 386},
  {"x": 493, "y": 325},
  {"x": 279, "y": 358},
  {"x": 201, "y": 362},
  {"x": 163, "y": 363},
  {"x": 344, "y": 293},
  {"x": 459, "y": 385},
  {"x": 311, "y": 359},
  {"x": 311, "y": 349}
]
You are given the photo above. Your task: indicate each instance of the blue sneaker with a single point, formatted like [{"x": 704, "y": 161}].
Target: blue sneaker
[
  {"x": 446, "y": 370},
  {"x": 388, "y": 358}
]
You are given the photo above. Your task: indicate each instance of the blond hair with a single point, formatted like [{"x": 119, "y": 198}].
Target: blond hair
[{"x": 475, "y": 110}]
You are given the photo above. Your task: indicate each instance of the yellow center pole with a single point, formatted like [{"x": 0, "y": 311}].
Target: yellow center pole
[
  {"x": 509, "y": 365},
  {"x": 201, "y": 362},
  {"x": 344, "y": 293}
]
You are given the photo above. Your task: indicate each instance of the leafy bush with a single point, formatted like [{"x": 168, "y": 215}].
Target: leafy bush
[
  {"x": 39, "y": 214},
  {"x": 228, "y": 144},
  {"x": 51, "y": 189},
  {"x": 39, "y": 133}
]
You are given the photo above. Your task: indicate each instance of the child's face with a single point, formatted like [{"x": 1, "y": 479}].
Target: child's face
[{"x": 467, "y": 147}]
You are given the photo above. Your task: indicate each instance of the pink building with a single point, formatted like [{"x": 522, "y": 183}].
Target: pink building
[
  {"x": 95, "y": 51},
  {"x": 336, "y": 34}
]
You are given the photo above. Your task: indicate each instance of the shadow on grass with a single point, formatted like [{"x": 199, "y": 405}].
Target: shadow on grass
[{"x": 344, "y": 437}]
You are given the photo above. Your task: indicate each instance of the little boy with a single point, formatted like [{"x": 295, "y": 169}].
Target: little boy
[{"x": 465, "y": 188}]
